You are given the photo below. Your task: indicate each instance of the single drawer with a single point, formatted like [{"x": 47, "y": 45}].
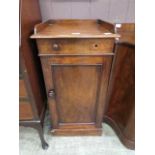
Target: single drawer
[
  {"x": 22, "y": 89},
  {"x": 75, "y": 46},
  {"x": 25, "y": 110}
]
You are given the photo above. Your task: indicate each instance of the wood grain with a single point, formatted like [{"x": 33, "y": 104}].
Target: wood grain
[
  {"x": 127, "y": 32},
  {"x": 74, "y": 29},
  {"x": 76, "y": 85},
  {"x": 72, "y": 83},
  {"x": 77, "y": 73},
  {"x": 120, "y": 112},
  {"x": 33, "y": 105},
  {"x": 22, "y": 89},
  {"x": 29, "y": 54},
  {"x": 25, "y": 111},
  {"x": 75, "y": 46}
]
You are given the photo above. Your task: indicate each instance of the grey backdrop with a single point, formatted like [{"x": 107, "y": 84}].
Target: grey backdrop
[{"x": 115, "y": 11}]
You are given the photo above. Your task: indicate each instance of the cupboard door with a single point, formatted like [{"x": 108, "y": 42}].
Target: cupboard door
[{"x": 76, "y": 90}]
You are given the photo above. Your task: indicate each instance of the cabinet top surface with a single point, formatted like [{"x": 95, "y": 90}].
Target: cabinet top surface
[{"x": 74, "y": 29}]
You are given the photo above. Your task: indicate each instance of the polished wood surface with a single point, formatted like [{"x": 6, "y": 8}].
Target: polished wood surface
[
  {"x": 75, "y": 46},
  {"x": 71, "y": 83},
  {"x": 29, "y": 16},
  {"x": 22, "y": 89},
  {"x": 76, "y": 73},
  {"x": 120, "y": 113},
  {"x": 32, "y": 96},
  {"x": 25, "y": 111},
  {"x": 78, "y": 98},
  {"x": 127, "y": 32},
  {"x": 77, "y": 130},
  {"x": 74, "y": 29},
  {"x": 28, "y": 48}
]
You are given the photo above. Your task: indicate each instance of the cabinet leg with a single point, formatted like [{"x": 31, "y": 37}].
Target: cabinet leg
[{"x": 41, "y": 135}]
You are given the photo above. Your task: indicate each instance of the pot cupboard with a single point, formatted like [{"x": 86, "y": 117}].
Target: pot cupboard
[{"x": 76, "y": 57}]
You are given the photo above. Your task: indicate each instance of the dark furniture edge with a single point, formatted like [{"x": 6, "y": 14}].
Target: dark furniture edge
[{"x": 128, "y": 143}]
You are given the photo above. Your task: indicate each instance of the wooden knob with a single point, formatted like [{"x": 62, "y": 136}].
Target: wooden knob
[
  {"x": 51, "y": 93},
  {"x": 56, "y": 47}
]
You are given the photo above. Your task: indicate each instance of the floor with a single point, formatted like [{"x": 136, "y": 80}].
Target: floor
[{"x": 107, "y": 144}]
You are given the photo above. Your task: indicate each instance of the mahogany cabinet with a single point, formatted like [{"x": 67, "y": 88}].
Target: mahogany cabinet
[
  {"x": 76, "y": 57},
  {"x": 32, "y": 97},
  {"x": 120, "y": 112}
]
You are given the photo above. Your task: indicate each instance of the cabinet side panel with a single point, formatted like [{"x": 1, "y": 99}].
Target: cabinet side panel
[
  {"x": 122, "y": 95},
  {"x": 121, "y": 98}
]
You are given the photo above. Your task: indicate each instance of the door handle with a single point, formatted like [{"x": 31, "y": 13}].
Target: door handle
[{"x": 51, "y": 93}]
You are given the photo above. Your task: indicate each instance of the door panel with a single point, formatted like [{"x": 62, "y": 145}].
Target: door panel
[{"x": 76, "y": 89}]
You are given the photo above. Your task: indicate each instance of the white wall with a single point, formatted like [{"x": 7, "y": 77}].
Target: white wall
[{"x": 115, "y": 11}]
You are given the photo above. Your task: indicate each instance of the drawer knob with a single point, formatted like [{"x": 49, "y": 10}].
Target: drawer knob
[
  {"x": 51, "y": 93},
  {"x": 56, "y": 47}
]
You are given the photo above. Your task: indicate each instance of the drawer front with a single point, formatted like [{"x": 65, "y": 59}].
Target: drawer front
[
  {"x": 25, "y": 110},
  {"x": 22, "y": 89},
  {"x": 75, "y": 46}
]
